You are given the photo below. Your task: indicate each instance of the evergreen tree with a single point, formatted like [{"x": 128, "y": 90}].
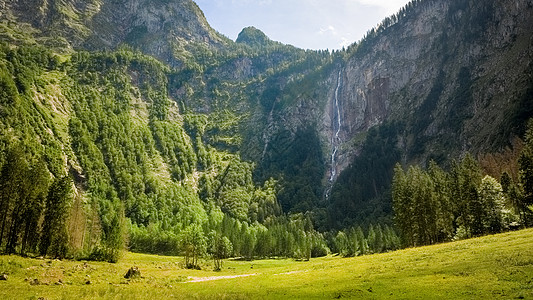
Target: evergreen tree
[
  {"x": 492, "y": 197},
  {"x": 12, "y": 186},
  {"x": 12, "y": 180},
  {"x": 444, "y": 222},
  {"x": 371, "y": 239},
  {"x": 54, "y": 235},
  {"x": 115, "y": 236},
  {"x": 379, "y": 244},
  {"x": 526, "y": 177},
  {"x": 392, "y": 241},
  {"x": 39, "y": 178},
  {"x": 505, "y": 181},
  {"x": 468, "y": 209},
  {"x": 362, "y": 248},
  {"x": 402, "y": 205},
  {"x": 341, "y": 243}
]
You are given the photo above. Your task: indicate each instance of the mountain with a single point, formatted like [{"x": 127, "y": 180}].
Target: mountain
[
  {"x": 446, "y": 76},
  {"x": 165, "y": 124},
  {"x": 164, "y": 29}
]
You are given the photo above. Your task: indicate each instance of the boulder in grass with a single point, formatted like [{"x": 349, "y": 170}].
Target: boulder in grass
[{"x": 133, "y": 273}]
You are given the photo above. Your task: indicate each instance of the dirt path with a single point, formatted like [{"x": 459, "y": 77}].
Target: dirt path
[
  {"x": 202, "y": 279},
  {"x": 211, "y": 278}
]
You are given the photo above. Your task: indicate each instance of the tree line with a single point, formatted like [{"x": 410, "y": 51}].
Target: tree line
[
  {"x": 353, "y": 242},
  {"x": 132, "y": 169},
  {"x": 434, "y": 206},
  {"x": 34, "y": 207}
]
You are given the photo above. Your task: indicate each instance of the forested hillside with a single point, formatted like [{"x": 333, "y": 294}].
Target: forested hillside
[{"x": 155, "y": 133}]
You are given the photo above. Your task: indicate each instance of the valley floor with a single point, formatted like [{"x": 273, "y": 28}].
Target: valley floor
[{"x": 492, "y": 267}]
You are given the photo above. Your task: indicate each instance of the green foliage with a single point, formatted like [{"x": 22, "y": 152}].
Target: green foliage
[
  {"x": 219, "y": 247},
  {"x": 298, "y": 165},
  {"x": 33, "y": 215},
  {"x": 253, "y": 37},
  {"x": 466, "y": 177},
  {"x": 525, "y": 194},
  {"x": 139, "y": 169},
  {"x": 435, "y": 206},
  {"x": 22, "y": 192},
  {"x": 477, "y": 268},
  {"x": 54, "y": 240},
  {"x": 169, "y": 154},
  {"x": 526, "y": 166},
  {"x": 194, "y": 245},
  {"x": 353, "y": 242},
  {"x": 361, "y": 193}
]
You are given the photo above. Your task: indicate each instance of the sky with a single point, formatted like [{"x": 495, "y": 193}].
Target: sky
[{"x": 307, "y": 24}]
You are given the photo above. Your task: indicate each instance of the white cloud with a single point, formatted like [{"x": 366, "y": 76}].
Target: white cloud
[{"x": 328, "y": 30}]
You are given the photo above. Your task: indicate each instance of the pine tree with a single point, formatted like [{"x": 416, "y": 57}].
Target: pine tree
[
  {"x": 379, "y": 243},
  {"x": 526, "y": 176},
  {"x": 362, "y": 248},
  {"x": 220, "y": 247},
  {"x": 341, "y": 243},
  {"x": 371, "y": 238},
  {"x": 13, "y": 183},
  {"x": 39, "y": 178},
  {"x": 444, "y": 209},
  {"x": 505, "y": 181},
  {"x": 54, "y": 235},
  {"x": 466, "y": 177},
  {"x": 402, "y": 205}
]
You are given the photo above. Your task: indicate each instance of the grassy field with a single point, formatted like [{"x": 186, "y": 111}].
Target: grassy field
[{"x": 492, "y": 267}]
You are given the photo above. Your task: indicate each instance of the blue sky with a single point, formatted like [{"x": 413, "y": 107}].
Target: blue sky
[{"x": 308, "y": 24}]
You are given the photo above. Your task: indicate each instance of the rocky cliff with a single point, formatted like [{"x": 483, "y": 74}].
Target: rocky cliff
[
  {"x": 440, "y": 78},
  {"x": 454, "y": 72},
  {"x": 167, "y": 30}
]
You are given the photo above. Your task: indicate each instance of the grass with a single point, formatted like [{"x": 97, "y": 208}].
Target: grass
[{"x": 492, "y": 267}]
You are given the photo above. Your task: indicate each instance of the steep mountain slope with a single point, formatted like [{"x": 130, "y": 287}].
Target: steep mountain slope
[
  {"x": 452, "y": 76},
  {"x": 445, "y": 77},
  {"x": 152, "y": 149},
  {"x": 165, "y": 122},
  {"x": 167, "y": 30}
]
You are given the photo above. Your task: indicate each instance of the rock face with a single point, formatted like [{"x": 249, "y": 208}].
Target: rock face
[
  {"x": 445, "y": 59},
  {"x": 454, "y": 75},
  {"x": 159, "y": 28}
]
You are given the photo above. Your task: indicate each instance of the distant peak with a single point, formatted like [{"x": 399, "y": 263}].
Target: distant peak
[{"x": 253, "y": 37}]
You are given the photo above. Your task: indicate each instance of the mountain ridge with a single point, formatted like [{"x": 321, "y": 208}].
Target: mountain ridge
[{"x": 169, "y": 122}]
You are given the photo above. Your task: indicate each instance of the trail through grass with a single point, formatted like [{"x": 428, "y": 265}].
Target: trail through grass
[{"x": 492, "y": 267}]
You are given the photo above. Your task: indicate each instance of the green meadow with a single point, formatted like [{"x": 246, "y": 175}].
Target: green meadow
[{"x": 492, "y": 267}]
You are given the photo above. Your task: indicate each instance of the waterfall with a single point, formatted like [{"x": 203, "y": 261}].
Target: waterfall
[{"x": 335, "y": 139}]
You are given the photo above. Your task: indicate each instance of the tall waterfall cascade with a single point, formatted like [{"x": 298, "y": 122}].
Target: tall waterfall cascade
[{"x": 335, "y": 138}]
